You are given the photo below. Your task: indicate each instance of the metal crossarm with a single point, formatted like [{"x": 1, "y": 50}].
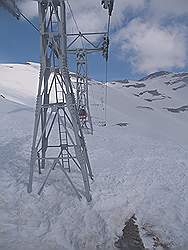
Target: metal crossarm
[{"x": 89, "y": 45}]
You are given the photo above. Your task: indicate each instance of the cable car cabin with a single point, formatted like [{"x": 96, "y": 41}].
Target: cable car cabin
[{"x": 83, "y": 115}]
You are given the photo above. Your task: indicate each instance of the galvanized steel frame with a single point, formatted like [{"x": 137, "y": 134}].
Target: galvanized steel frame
[{"x": 62, "y": 112}]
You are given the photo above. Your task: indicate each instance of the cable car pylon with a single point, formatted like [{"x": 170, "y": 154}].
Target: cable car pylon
[
  {"x": 57, "y": 114},
  {"x": 82, "y": 94},
  {"x": 58, "y": 135},
  {"x": 81, "y": 54}
]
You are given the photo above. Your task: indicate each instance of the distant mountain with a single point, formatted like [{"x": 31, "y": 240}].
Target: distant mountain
[
  {"x": 154, "y": 75},
  {"x": 162, "y": 90},
  {"x": 122, "y": 81}
]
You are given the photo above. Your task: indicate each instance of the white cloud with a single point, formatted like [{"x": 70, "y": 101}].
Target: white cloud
[
  {"x": 89, "y": 14},
  {"x": 168, "y": 7},
  {"x": 28, "y": 8},
  {"x": 148, "y": 44},
  {"x": 151, "y": 47},
  {"x": 156, "y": 7}
]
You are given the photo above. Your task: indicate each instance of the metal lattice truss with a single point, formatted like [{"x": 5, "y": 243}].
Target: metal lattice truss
[
  {"x": 82, "y": 91},
  {"x": 56, "y": 116},
  {"x": 91, "y": 43}
]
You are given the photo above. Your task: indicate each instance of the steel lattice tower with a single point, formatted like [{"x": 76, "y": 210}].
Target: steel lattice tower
[
  {"x": 82, "y": 81},
  {"x": 82, "y": 96},
  {"x": 56, "y": 114}
]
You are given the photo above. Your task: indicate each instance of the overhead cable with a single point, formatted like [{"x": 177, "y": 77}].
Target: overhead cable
[
  {"x": 76, "y": 23},
  {"x": 29, "y": 21}
]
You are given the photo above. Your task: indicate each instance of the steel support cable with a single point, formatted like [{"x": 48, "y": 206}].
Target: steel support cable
[
  {"x": 32, "y": 24},
  {"x": 29, "y": 21},
  {"x": 36, "y": 28},
  {"x": 107, "y": 5},
  {"x": 106, "y": 93},
  {"x": 106, "y": 73},
  {"x": 76, "y": 24}
]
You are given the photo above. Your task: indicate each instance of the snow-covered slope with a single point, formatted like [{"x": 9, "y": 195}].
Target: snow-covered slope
[
  {"x": 151, "y": 107},
  {"x": 139, "y": 168},
  {"x": 18, "y": 82}
]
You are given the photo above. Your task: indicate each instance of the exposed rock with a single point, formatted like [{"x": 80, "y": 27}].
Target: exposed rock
[
  {"x": 122, "y": 124},
  {"x": 130, "y": 240},
  {"x": 137, "y": 85},
  {"x": 144, "y": 107},
  {"x": 178, "y": 110}
]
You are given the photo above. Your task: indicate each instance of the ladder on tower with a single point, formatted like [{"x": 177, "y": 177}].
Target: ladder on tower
[{"x": 62, "y": 125}]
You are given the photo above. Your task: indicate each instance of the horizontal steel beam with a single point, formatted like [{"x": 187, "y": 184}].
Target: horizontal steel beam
[{"x": 87, "y": 34}]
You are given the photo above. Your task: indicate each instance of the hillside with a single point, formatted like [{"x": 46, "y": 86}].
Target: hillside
[{"x": 139, "y": 168}]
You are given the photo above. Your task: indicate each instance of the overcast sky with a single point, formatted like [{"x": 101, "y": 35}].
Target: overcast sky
[{"x": 146, "y": 35}]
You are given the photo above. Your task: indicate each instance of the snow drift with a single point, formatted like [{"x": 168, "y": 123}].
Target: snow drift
[{"x": 139, "y": 169}]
